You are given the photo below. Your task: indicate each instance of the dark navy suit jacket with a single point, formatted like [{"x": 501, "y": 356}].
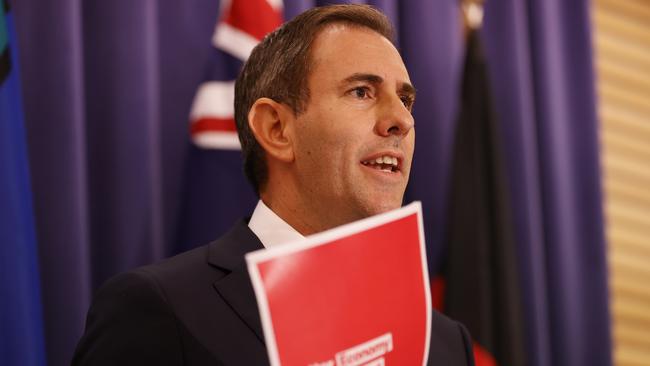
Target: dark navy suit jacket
[{"x": 199, "y": 308}]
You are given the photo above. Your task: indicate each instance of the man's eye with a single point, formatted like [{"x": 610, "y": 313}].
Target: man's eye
[
  {"x": 407, "y": 101},
  {"x": 360, "y": 92}
]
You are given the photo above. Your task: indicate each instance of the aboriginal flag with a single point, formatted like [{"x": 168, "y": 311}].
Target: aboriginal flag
[{"x": 482, "y": 287}]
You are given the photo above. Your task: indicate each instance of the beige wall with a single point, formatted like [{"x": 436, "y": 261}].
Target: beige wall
[{"x": 622, "y": 47}]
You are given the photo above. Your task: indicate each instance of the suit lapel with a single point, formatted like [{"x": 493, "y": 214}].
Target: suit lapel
[
  {"x": 237, "y": 291},
  {"x": 236, "y": 288}
]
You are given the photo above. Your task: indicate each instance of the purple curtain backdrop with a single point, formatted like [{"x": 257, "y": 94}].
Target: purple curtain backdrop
[{"x": 108, "y": 87}]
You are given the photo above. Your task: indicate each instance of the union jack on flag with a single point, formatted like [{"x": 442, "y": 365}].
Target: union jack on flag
[{"x": 242, "y": 25}]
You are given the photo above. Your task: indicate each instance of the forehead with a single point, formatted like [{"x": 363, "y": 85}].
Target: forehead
[{"x": 340, "y": 50}]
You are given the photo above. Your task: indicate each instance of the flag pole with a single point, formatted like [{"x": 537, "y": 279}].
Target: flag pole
[{"x": 472, "y": 14}]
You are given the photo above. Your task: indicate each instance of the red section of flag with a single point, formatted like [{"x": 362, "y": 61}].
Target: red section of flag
[
  {"x": 438, "y": 293},
  {"x": 255, "y": 17},
  {"x": 483, "y": 357},
  {"x": 210, "y": 124}
]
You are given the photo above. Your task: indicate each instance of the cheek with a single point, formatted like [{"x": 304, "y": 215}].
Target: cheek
[
  {"x": 325, "y": 136},
  {"x": 411, "y": 141},
  {"x": 332, "y": 136}
]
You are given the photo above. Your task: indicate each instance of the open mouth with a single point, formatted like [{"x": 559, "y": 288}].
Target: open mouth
[{"x": 385, "y": 163}]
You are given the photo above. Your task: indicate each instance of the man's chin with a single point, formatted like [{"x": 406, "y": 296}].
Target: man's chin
[{"x": 382, "y": 207}]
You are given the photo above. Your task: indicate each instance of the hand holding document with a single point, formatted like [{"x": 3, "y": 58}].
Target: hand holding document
[{"x": 354, "y": 295}]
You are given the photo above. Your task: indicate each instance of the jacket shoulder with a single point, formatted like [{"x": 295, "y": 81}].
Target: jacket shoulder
[
  {"x": 133, "y": 319},
  {"x": 450, "y": 342},
  {"x": 129, "y": 323}
]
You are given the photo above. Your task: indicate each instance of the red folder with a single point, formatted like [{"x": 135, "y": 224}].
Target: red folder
[{"x": 354, "y": 295}]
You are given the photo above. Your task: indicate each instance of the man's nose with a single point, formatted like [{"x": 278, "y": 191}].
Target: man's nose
[{"x": 394, "y": 118}]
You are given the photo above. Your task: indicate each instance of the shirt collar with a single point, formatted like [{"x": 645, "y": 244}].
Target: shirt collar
[{"x": 270, "y": 228}]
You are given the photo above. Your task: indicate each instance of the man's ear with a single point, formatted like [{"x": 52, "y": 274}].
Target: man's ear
[{"x": 270, "y": 123}]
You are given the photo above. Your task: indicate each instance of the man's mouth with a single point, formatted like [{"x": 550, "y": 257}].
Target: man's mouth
[{"x": 385, "y": 163}]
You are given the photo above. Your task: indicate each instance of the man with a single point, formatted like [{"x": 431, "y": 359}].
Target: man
[{"x": 323, "y": 111}]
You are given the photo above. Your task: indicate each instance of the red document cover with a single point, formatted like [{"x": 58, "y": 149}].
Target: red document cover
[{"x": 354, "y": 295}]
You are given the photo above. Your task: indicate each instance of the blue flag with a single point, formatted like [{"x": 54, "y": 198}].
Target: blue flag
[{"x": 21, "y": 320}]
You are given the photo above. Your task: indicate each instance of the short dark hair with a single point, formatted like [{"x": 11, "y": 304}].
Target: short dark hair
[{"x": 279, "y": 67}]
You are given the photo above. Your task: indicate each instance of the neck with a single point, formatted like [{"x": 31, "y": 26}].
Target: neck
[
  {"x": 285, "y": 203},
  {"x": 284, "y": 196}
]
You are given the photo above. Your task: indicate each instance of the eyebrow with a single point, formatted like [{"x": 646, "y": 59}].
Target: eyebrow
[{"x": 376, "y": 79}]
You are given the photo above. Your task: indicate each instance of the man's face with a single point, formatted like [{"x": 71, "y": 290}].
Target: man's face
[{"x": 355, "y": 139}]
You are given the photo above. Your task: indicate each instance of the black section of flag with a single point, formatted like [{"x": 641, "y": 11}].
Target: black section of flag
[
  {"x": 5, "y": 64},
  {"x": 482, "y": 289}
]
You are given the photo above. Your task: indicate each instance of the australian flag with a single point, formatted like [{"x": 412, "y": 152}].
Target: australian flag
[{"x": 217, "y": 193}]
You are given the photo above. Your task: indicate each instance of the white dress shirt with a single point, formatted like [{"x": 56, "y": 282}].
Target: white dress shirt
[{"x": 270, "y": 228}]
